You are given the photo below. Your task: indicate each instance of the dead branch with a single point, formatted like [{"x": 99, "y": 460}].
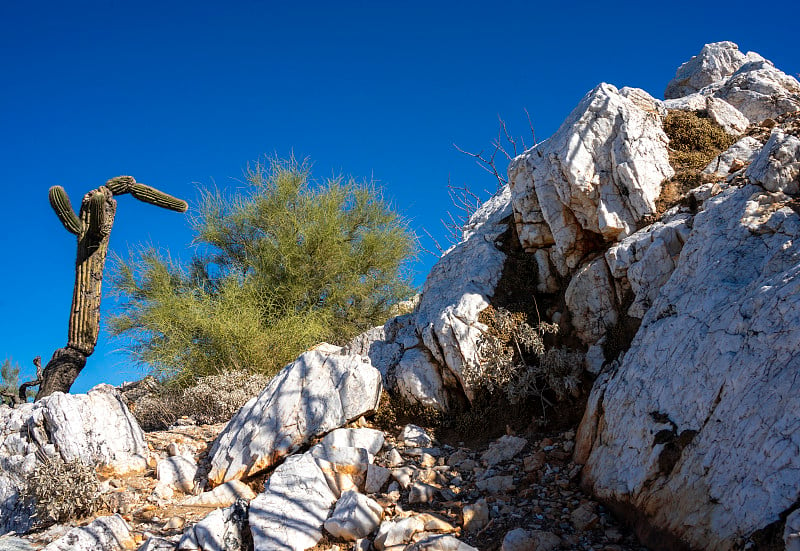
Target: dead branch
[{"x": 23, "y": 388}]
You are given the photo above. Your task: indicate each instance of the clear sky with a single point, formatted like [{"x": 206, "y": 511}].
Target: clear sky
[{"x": 181, "y": 94}]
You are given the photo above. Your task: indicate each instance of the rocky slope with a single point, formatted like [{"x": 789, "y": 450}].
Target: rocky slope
[{"x": 688, "y": 318}]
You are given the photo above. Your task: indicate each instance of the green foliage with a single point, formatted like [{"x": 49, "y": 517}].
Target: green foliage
[
  {"x": 9, "y": 380},
  {"x": 62, "y": 490},
  {"x": 515, "y": 360},
  {"x": 280, "y": 267}
]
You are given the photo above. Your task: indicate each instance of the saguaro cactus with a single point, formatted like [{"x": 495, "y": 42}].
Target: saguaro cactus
[{"x": 92, "y": 226}]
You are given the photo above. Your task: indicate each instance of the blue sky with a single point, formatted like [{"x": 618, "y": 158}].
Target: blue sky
[{"x": 181, "y": 94}]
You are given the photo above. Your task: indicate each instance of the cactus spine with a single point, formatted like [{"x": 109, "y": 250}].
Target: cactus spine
[{"x": 92, "y": 226}]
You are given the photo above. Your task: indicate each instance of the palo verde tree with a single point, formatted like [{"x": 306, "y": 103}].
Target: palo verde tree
[
  {"x": 92, "y": 227},
  {"x": 279, "y": 267}
]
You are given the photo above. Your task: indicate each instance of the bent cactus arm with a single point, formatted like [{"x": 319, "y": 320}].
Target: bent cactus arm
[
  {"x": 60, "y": 203},
  {"x": 92, "y": 226}
]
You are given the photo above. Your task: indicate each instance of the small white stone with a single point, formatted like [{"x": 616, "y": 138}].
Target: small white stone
[
  {"x": 421, "y": 493},
  {"x": 476, "y": 515},
  {"x": 354, "y": 516},
  {"x": 503, "y": 449},
  {"x": 414, "y": 436},
  {"x": 397, "y": 532},
  {"x": 377, "y": 476}
]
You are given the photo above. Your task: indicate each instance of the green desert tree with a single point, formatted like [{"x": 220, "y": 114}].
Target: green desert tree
[
  {"x": 279, "y": 267},
  {"x": 9, "y": 381}
]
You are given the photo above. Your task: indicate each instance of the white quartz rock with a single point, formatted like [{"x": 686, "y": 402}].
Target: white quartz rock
[
  {"x": 355, "y": 516},
  {"x": 694, "y": 430},
  {"x": 742, "y": 152},
  {"x": 726, "y": 115},
  {"x": 777, "y": 165},
  {"x": 223, "y": 495},
  {"x": 381, "y": 349},
  {"x": 791, "y": 532},
  {"x": 593, "y": 181},
  {"x": 344, "y": 468},
  {"x": 369, "y": 439},
  {"x": 760, "y": 91},
  {"x": 318, "y": 392},
  {"x": 504, "y": 448},
  {"x": 440, "y": 542},
  {"x": 592, "y": 302},
  {"x": 220, "y": 530},
  {"x": 715, "y": 62},
  {"x": 95, "y": 428},
  {"x": 178, "y": 472},
  {"x": 296, "y": 501},
  {"x": 414, "y": 436},
  {"x": 377, "y": 476},
  {"x": 397, "y": 532},
  {"x": 102, "y": 534},
  {"x": 459, "y": 287},
  {"x": 418, "y": 379}
]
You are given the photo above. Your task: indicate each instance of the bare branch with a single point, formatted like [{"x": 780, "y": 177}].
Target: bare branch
[
  {"x": 435, "y": 244},
  {"x": 23, "y": 388},
  {"x": 486, "y": 164},
  {"x": 533, "y": 134}
]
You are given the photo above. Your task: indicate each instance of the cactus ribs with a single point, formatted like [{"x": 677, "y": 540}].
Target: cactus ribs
[{"x": 92, "y": 226}]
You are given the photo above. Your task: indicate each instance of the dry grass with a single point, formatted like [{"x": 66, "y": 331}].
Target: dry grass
[
  {"x": 212, "y": 399},
  {"x": 695, "y": 140}
]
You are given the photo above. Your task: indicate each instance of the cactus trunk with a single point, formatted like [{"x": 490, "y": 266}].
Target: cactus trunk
[
  {"x": 93, "y": 227},
  {"x": 97, "y": 217}
]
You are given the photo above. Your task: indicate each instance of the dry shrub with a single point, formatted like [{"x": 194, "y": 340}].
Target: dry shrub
[
  {"x": 694, "y": 140},
  {"x": 394, "y": 411},
  {"x": 515, "y": 360},
  {"x": 212, "y": 399},
  {"x": 62, "y": 490}
]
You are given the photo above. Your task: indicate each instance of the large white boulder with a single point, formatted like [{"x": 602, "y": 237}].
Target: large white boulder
[
  {"x": 321, "y": 390},
  {"x": 592, "y": 301},
  {"x": 95, "y": 428},
  {"x": 760, "y": 91},
  {"x": 777, "y": 165},
  {"x": 458, "y": 288},
  {"x": 697, "y": 430},
  {"x": 715, "y": 62},
  {"x": 593, "y": 181},
  {"x": 102, "y": 534},
  {"x": 748, "y": 83},
  {"x": 647, "y": 258},
  {"x": 296, "y": 501}
]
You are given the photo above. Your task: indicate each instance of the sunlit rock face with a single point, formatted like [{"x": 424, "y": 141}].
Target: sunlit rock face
[
  {"x": 693, "y": 433},
  {"x": 594, "y": 180},
  {"x": 95, "y": 428},
  {"x": 321, "y": 390},
  {"x": 697, "y": 429}
]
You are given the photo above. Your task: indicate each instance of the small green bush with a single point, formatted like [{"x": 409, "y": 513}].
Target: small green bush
[
  {"x": 62, "y": 490},
  {"x": 279, "y": 268},
  {"x": 9, "y": 381}
]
